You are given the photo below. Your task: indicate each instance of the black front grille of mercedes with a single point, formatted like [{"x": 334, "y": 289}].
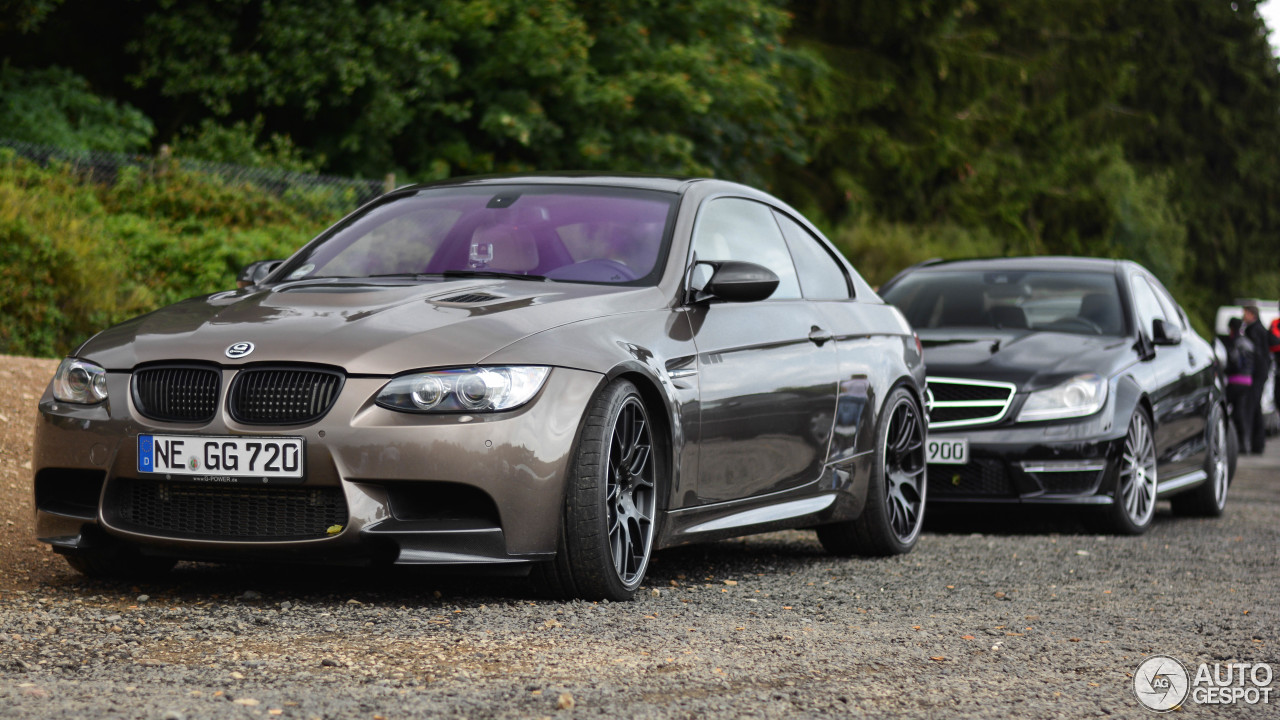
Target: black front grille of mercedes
[
  {"x": 233, "y": 512},
  {"x": 953, "y": 392},
  {"x": 176, "y": 394},
  {"x": 283, "y": 395},
  {"x": 961, "y": 414},
  {"x": 977, "y": 478},
  {"x": 955, "y": 401}
]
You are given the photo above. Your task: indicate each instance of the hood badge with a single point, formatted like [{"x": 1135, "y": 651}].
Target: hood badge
[{"x": 239, "y": 350}]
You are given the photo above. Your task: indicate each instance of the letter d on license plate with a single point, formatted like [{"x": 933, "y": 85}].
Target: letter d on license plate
[
  {"x": 947, "y": 451},
  {"x": 226, "y": 459}
]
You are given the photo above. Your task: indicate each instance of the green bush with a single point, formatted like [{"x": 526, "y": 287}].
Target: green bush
[{"x": 78, "y": 256}]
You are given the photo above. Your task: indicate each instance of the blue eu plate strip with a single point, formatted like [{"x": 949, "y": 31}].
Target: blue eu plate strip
[{"x": 145, "y": 463}]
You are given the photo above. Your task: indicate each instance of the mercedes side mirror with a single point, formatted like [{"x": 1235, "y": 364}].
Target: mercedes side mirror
[{"x": 1164, "y": 332}]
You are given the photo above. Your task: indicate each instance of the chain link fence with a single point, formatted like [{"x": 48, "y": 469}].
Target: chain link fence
[{"x": 329, "y": 192}]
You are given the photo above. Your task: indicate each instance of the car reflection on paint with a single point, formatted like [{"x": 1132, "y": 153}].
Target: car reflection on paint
[{"x": 555, "y": 375}]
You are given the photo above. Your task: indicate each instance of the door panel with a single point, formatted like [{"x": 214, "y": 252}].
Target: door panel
[{"x": 768, "y": 397}]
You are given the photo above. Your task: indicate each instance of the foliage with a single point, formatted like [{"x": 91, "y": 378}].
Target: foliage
[
  {"x": 242, "y": 143},
  {"x": 55, "y": 106},
  {"x": 77, "y": 257},
  {"x": 473, "y": 86},
  {"x": 1144, "y": 129},
  {"x": 25, "y": 15}
]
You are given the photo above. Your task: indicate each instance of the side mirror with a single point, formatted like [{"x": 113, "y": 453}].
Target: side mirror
[
  {"x": 1164, "y": 332},
  {"x": 733, "y": 280},
  {"x": 256, "y": 272}
]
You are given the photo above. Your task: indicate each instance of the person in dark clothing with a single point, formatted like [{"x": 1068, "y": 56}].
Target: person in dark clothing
[
  {"x": 1240, "y": 353},
  {"x": 1257, "y": 335}
]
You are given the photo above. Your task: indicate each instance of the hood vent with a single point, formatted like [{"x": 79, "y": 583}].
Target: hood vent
[{"x": 468, "y": 298}]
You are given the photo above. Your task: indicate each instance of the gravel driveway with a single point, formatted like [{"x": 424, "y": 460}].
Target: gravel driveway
[{"x": 1031, "y": 617}]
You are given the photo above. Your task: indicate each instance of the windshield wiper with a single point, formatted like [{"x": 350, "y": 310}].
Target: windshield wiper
[{"x": 492, "y": 274}]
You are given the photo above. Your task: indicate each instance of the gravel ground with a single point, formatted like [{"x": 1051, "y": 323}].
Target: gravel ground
[{"x": 1021, "y": 615}]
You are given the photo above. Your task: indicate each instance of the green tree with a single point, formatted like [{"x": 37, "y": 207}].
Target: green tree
[
  {"x": 456, "y": 87},
  {"x": 54, "y": 106}
]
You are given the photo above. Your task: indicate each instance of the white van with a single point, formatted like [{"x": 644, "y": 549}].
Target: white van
[{"x": 1266, "y": 312}]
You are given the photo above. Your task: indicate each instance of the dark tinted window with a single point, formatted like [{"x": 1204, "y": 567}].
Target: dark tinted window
[
  {"x": 1072, "y": 302},
  {"x": 821, "y": 277},
  {"x": 737, "y": 229}
]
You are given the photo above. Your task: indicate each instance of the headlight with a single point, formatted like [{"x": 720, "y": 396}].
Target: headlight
[
  {"x": 1081, "y": 395},
  {"x": 80, "y": 382},
  {"x": 478, "y": 389}
]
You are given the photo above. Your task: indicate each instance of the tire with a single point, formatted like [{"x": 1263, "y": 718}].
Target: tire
[
  {"x": 1210, "y": 497},
  {"x": 120, "y": 565},
  {"x": 1136, "y": 480},
  {"x": 894, "y": 511},
  {"x": 610, "y": 516}
]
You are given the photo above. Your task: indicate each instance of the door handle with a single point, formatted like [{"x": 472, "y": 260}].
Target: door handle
[{"x": 818, "y": 336}]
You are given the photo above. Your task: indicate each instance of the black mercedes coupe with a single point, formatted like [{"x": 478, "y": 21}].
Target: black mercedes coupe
[{"x": 1073, "y": 381}]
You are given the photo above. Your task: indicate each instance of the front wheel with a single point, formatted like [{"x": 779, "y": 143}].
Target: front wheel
[
  {"x": 1135, "y": 492},
  {"x": 609, "y": 522},
  {"x": 1210, "y": 497},
  {"x": 894, "y": 511}
]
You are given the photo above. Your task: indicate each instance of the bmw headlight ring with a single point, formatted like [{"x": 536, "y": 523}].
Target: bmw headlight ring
[
  {"x": 80, "y": 382},
  {"x": 464, "y": 390}
]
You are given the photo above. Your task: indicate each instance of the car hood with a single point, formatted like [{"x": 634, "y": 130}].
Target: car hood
[
  {"x": 366, "y": 327},
  {"x": 1029, "y": 359}
]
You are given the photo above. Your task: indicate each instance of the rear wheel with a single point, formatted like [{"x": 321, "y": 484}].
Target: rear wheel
[
  {"x": 609, "y": 521},
  {"x": 894, "y": 511},
  {"x": 1135, "y": 493},
  {"x": 1210, "y": 497}
]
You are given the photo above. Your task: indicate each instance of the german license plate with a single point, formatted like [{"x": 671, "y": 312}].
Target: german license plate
[
  {"x": 222, "y": 459},
  {"x": 947, "y": 451}
]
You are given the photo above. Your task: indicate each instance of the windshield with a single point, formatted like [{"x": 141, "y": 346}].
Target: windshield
[
  {"x": 1071, "y": 302},
  {"x": 561, "y": 233}
]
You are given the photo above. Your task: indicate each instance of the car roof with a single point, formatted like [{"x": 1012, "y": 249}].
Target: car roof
[
  {"x": 620, "y": 180},
  {"x": 1049, "y": 263}
]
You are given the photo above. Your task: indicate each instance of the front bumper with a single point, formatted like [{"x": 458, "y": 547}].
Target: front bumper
[
  {"x": 380, "y": 485},
  {"x": 1061, "y": 463}
]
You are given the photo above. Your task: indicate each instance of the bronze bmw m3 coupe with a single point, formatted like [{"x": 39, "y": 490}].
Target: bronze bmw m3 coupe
[{"x": 556, "y": 374}]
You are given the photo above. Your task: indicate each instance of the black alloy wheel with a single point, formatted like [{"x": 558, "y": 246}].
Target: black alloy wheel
[
  {"x": 894, "y": 512},
  {"x": 609, "y": 524}
]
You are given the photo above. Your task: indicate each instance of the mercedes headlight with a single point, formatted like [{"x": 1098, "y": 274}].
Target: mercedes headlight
[
  {"x": 476, "y": 389},
  {"x": 81, "y": 382},
  {"x": 1081, "y": 395}
]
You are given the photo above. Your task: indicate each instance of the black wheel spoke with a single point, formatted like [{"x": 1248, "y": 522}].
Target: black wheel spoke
[
  {"x": 630, "y": 498},
  {"x": 904, "y": 470}
]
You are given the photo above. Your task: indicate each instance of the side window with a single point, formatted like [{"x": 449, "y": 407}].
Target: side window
[
  {"x": 821, "y": 277},
  {"x": 736, "y": 229},
  {"x": 1145, "y": 303},
  {"x": 1167, "y": 303}
]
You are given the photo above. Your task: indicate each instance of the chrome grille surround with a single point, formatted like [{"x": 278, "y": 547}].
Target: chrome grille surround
[{"x": 959, "y": 402}]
